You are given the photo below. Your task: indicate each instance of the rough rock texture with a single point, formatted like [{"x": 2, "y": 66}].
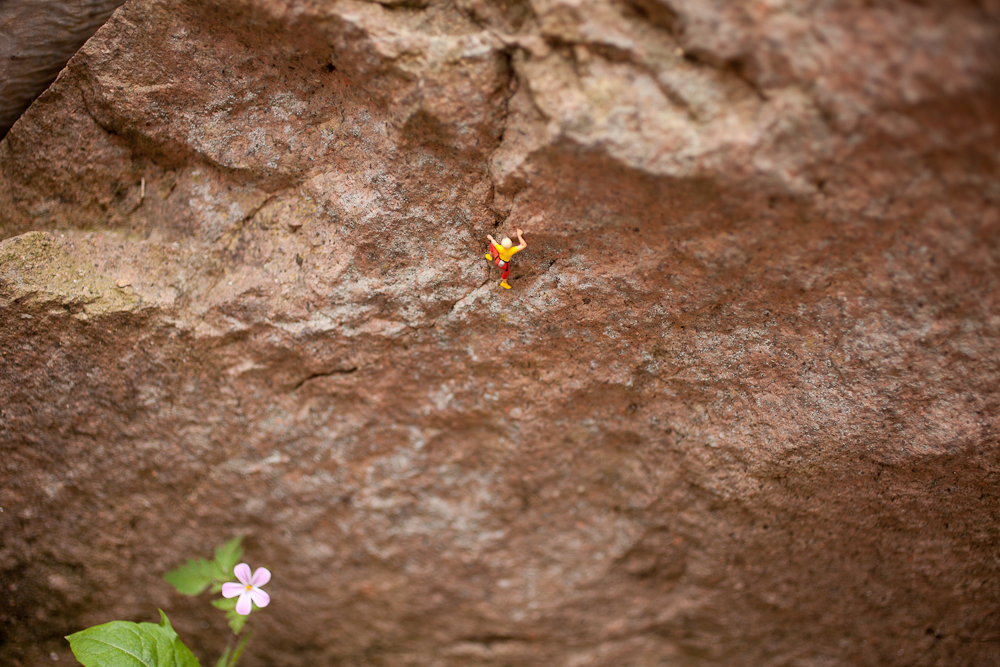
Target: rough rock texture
[
  {"x": 740, "y": 408},
  {"x": 37, "y": 37}
]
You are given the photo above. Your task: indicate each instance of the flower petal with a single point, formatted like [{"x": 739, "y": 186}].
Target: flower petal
[
  {"x": 242, "y": 572},
  {"x": 231, "y": 589},
  {"x": 259, "y": 597},
  {"x": 243, "y": 605},
  {"x": 261, "y": 577}
]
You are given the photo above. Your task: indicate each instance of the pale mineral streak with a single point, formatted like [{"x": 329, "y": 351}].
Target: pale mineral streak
[{"x": 739, "y": 408}]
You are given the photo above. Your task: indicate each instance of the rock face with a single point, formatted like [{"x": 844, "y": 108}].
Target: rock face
[
  {"x": 37, "y": 37},
  {"x": 739, "y": 408}
]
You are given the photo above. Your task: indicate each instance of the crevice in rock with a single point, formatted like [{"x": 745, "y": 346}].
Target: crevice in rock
[
  {"x": 490, "y": 640},
  {"x": 512, "y": 83},
  {"x": 247, "y": 218},
  {"x": 472, "y": 291},
  {"x": 315, "y": 376},
  {"x": 658, "y": 14},
  {"x": 402, "y": 5}
]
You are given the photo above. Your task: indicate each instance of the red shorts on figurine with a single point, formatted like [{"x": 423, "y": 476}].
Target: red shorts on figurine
[{"x": 504, "y": 266}]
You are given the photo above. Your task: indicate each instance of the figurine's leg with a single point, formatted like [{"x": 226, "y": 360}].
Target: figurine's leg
[
  {"x": 506, "y": 274},
  {"x": 489, "y": 256}
]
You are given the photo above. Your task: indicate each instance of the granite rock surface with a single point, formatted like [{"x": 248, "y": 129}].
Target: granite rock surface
[{"x": 739, "y": 408}]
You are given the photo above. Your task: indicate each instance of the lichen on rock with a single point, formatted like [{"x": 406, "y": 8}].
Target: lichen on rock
[{"x": 37, "y": 271}]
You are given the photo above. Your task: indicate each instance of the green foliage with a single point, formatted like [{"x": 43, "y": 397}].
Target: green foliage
[
  {"x": 228, "y": 555},
  {"x": 195, "y": 576},
  {"x": 124, "y": 644},
  {"x": 236, "y": 621}
]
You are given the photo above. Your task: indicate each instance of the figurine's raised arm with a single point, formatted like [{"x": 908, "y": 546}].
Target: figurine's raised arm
[{"x": 522, "y": 245}]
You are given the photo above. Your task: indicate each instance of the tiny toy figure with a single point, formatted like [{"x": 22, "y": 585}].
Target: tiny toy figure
[{"x": 500, "y": 254}]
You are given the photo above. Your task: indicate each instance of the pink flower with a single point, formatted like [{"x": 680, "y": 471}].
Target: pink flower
[{"x": 248, "y": 589}]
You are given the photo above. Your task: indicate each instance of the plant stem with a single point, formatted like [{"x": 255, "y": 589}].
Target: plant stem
[{"x": 235, "y": 655}]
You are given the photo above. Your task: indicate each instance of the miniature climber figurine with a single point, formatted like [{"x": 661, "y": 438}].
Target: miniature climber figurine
[{"x": 500, "y": 254}]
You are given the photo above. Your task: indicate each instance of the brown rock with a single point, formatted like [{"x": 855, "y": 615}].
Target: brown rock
[
  {"x": 37, "y": 37},
  {"x": 739, "y": 408}
]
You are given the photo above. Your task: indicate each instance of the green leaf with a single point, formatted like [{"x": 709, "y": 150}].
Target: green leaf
[
  {"x": 165, "y": 626},
  {"x": 125, "y": 644},
  {"x": 223, "y": 659},
  {"x": 193, "y": 577},
  {"x": 236, "y": 621},
  {"x": 228, "y": 555}
]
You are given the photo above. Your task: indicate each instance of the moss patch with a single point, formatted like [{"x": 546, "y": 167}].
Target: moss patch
[{"x": 35, "y": 269}]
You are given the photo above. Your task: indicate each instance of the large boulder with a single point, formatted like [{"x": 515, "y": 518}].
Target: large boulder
[{"x": 739, "y": 408}]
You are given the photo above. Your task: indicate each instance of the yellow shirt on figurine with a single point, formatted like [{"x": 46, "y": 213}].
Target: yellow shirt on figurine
[
  {"x": 505, "y": 253},
  {"x": 500, "y": 254}
]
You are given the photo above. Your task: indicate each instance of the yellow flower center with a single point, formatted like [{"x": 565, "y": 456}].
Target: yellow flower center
[{"x": 249, "y": 586}]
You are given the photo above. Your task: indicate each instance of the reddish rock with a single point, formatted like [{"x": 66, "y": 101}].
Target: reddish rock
[{"x": 739, "y": 408}]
